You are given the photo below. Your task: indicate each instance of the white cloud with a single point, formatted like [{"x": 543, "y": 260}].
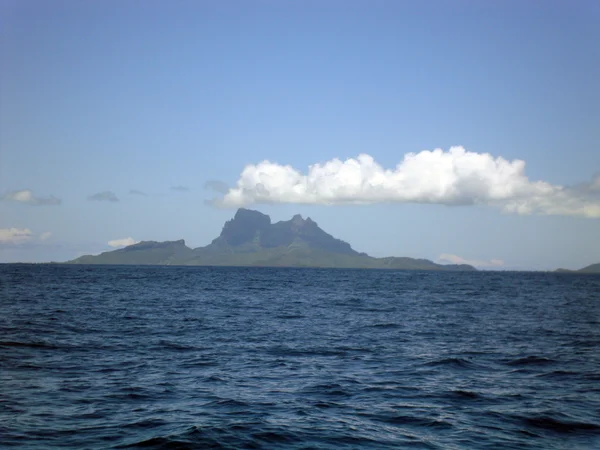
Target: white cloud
[
  {"x": 454, "y": 177},
  {"x": 454, "y": 259},
  {"x": 15, "y": 235},
  {"x": 122, "y": 242},
  {"x": 27, "y": 196}
]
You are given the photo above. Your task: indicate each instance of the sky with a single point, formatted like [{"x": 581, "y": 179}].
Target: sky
[{"x": 457, "y": 131}]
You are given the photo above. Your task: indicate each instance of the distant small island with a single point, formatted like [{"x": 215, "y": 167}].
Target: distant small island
[
  {"x": 250, "y": 239},
  {"x": 592, "y": 268}
]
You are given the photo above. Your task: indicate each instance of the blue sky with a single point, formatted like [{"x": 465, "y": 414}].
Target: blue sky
[{"x": 101, "y": 100}]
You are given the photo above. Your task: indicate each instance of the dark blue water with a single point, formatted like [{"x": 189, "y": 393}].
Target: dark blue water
[{"x": 167, "y": 357}]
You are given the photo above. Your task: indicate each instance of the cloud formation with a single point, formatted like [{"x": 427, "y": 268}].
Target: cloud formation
[
  {"x": 180, "y": 188},
  {"x": 104, "y": 196},
  {"x": 15, "y": 235},
  {"x": 453, "y": 177},
  {"x": 27, "y": 196},
  {"x": 454, "y": 259},
  {"x": 122, "y": 242},
  {"x": 136, "y": 192}
]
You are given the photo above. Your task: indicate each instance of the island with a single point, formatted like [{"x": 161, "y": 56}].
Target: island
[
  {"x": 592, "y": 268},
  {"x": 250, "y": 239}
]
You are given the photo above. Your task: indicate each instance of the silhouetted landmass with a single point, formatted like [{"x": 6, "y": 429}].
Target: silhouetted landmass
[
  {"x": 250, "y": 239},
  {"x": 145, "y": 252},
  {"x": 592, "y": 268}
]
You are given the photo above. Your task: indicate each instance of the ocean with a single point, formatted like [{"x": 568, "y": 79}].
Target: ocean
[{"x": 99, "y": 357}]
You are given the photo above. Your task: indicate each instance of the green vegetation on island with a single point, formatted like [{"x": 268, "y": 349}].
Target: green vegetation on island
[
  {"x": 250, "y": 239},
  {"x": 592, "y": 268}
]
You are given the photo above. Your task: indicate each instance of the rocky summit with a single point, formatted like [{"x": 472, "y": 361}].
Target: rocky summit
[{"x": 254, "y": 229}]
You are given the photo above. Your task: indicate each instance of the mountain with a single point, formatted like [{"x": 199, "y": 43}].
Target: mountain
[
  {"x": 250, "y": 239},
  {"x": 592, "y": 268}
]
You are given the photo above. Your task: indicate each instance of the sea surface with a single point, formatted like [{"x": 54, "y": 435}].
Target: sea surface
[{"x": 95, "y": 357}]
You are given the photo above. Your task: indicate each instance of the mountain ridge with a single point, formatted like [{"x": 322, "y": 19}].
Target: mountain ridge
[
  {"x": 251, "y": 239},
  {"x": 592, "y": 268}
]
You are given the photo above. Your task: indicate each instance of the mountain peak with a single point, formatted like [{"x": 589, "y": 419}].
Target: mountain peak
[
  {"x": 253, "y": 229},
  {"x": 244, "y": 226},
  {"x": 251, "y": 215}
]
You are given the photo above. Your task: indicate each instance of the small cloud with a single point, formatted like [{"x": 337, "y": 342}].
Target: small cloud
[
  {"x": 105, "y": 196},
  {"x": 15, "y": 235},
  {"x": 180, "y": 188},
  {"x": 27, "y": 196},
  {"x": 136, "y": 192},
  {"x": 45, "y": 235},
  {"x": 23, "y": 238},
  {"x": 454, "y": 259},
  {"x": 122, "y": 242},
  {"x": 217, "y": 186}
]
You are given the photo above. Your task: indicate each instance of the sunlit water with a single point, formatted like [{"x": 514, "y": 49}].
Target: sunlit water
[{"x": 168, "y": 357}]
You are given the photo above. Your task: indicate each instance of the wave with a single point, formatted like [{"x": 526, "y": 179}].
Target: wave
[
  {"x": 410, "y": 420},
  {"x": 329, "y": 389},
  {"x": 227, "y": 403},
  {"x": 561, "y": 426},
  {"x": 164, "y": 344},
  {"x": 558, "y": 374},
  {"x": 308, "y": 352},
  {"x": 530, "y": 360},
  {"x": 459, "y": 363},
  {"x": 386, "y": 325},
  {"x": 252, "y": 435},
  {"x": 290, "y": 316},
  {"x": 465, "y": 394},
  {"x": 36, "y": 345}
]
